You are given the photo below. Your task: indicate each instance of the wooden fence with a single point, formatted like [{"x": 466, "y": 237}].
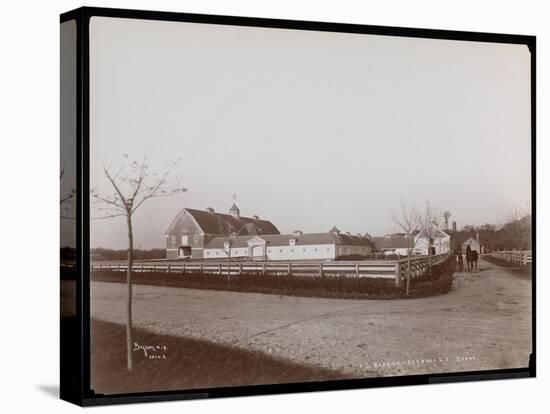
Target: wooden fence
[
  {"x": 521, "y": 257},
  {"x": 381, "y": 269}
]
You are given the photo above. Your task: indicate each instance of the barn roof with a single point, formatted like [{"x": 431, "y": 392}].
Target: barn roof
[
  {"x": 301, "y": 240},
  {"x": 391, "y": 242},
  {"x": 225, "y": 224}
]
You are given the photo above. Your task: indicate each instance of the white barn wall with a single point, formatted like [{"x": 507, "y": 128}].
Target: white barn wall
[
  {"x": 441, "y": 244},
  {"x": 306, "y": 252}
]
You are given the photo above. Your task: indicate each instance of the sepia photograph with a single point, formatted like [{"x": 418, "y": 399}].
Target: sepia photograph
[{"x": 271, "y": 205}]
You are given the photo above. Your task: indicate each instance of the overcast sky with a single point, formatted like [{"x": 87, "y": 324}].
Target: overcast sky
[{"x": 309, "y": 129}]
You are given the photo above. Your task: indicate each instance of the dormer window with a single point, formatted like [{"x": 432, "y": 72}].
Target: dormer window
[{"x": 292, "y": 242}]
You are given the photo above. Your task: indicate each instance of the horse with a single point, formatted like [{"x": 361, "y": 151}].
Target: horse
[{"x": 471, "y": 259}]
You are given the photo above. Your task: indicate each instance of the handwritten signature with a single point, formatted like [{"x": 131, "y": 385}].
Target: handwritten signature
[{"x": 151, "y": 351}]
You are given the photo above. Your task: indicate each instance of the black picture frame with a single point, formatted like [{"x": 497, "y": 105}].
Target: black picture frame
[{"x": 75, "y": 335}]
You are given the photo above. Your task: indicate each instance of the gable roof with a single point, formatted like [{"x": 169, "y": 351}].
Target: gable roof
[
  {"x": 439, "y": 234},
  {"x": 391, "y": 242},
  {"x": 225, "y": 224},
  {"x": 470, "y": 241},
  {"x": 300, "y": 240}
]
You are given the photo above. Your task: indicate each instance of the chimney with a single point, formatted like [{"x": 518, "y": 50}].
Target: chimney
[
  {"x": 454, "y": 226},
  {"x": 297, "y": 233},
  {"x": 255, "y": 217},
  {"x": 210, "y": 210}
]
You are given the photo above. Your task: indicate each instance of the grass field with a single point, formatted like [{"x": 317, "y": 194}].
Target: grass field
[{"x": 188, "y": 364}]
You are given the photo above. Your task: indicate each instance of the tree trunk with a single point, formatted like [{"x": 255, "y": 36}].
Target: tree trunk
[
  {"x": 408, "y": 273},
  {"x": 129, "y": 292}
]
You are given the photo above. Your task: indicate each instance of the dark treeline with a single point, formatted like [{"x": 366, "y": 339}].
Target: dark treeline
[
  {"x": 100, "y": 253},
  {"x": 514, "y": 235}
]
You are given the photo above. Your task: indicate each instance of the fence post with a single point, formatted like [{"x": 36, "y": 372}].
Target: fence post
[
  {"x": 200, "y": 267},
  {"x": 290, "y": 269},
  {"x": 219, "y": 269},
  {"x": 141, "y": 268},
  {"x": 168, "y": 268},
  {"x": 263, "y": 269},
  {"x": 321, "y": 269},
  {"x": 240, "y": 268},
  {"x": 154, "y": 267},
  {"x": 118, "y": 267},
  {"x": 397, "y": 274},
  {"x": 356, "y": 269}
]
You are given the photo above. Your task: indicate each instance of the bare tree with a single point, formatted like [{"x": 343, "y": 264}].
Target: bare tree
[
  {"x": 407, "y": 221},
  {"x": 230, "y": 235},
  {"x": 67, "y": 196},
  {"x": 428, "y": 222},
  {"x": 519, "y": 228},
  {"x": 133, "y": 184}
]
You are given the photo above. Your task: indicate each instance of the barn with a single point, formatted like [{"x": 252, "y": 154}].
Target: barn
[
  {"x": 191, "y": 230},
  {"x": 288, "y": 247},
  {"x": 199, "y": 234}
]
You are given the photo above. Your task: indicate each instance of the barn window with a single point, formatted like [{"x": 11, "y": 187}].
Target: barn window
[
  {"x": 173, "y": 239},
  {"x": 207, "y": 253},
  {"x": 196, "y": 239},
  {"x": 304, "y": 249},
  {"x": 184, "y": 239},
  {"x": 280, "y": 250},
  {"x": 316, "y": 249},
  {"x": 217, "y": 253}
]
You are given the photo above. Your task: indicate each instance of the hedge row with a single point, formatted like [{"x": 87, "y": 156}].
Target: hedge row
[{"x": 438, "y": 281}]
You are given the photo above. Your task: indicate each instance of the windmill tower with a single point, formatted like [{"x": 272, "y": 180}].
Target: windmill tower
[{"x": 446, "y": 217}]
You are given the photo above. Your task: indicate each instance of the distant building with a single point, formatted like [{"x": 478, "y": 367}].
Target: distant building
[
  {"x": 391, "y": 244},
  {"x": 473, "y": 243},
  {"x": 441, "y": 242},
  {"x": 209, "y": 235},
  {"x": 295, "y": 246},
  {"x": 399, "y": 244}
]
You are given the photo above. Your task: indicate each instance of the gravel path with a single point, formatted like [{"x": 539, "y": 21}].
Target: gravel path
[{"x": 483, "y": 323}]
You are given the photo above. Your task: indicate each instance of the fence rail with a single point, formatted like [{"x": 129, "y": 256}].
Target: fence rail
[
  {"x": 522, "y": 257},
  {"x": 378, "y": 269}
]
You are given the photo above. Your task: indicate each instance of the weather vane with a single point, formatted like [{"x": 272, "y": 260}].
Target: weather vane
[{"x": 234, "y": 197}]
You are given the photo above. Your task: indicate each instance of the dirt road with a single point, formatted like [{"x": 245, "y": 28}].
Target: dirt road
[{"x": 483, "y": 323}]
